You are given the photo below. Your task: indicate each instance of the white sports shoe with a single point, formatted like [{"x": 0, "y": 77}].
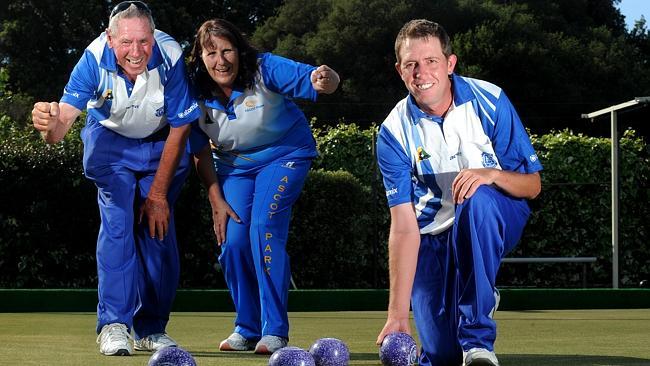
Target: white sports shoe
[
  {"x": 236, "y": 342},
  {"x": 269, "y": 344},
  {"x": 115, "y": 340},
  {"x": 479, "y": 357},
  {"x": 154, "y": 342}
]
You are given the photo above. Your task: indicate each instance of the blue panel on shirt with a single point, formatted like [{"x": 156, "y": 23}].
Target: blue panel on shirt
[
  {"x": 395, "y": 167},
  {"x": 95, "y": 84},
  {"x": 83, "y": 81},
  {"x": 420, "y": 155},
  {"x": 500, "y": 122},
  {"x": 287, "y": 77}
]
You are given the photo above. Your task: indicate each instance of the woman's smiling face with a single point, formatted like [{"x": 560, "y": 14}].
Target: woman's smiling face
[{"x": 221, "y": 60}]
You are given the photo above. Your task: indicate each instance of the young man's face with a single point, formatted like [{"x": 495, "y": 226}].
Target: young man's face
[
  {"x": 425, "y": 71},
  {"x": 133, "y": 45}
]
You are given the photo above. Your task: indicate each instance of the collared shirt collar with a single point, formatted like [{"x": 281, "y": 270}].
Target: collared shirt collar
[
  {"x": 417, "y": 113},
  {"x": 216, "y": 104},
  {"x": 461, "y": 95},
  {"x": 462, "y": 91},
  {"x": 109, "y": 61}
]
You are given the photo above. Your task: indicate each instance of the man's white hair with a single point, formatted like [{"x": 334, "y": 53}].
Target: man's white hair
[{"x": 128, "y": 13}]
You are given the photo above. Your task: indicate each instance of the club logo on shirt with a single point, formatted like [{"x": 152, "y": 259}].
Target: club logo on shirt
[
  {"x": 251, "y": 104},
  {"x": 108, "y": 95},
  {"x": 488, "y": 160},
  {"x": 533, "y": 158},
  {"x": 160, "y": 111},
  {"x": 422, "y": 155}
]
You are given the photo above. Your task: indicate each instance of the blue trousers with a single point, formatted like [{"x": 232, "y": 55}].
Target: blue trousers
[
  {"x": 253, "y": 257},
  {"x": 454, "y": 291},
  {"x": 137, "y": 275}
]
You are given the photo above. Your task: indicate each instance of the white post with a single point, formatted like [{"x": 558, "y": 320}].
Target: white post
[
  {"x": 612, "y": 110},
  {"x": 614, "y": 143}
]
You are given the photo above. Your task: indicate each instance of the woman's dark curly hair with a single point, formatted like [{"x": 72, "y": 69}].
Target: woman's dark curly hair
[{"x": 205, "y": 86}]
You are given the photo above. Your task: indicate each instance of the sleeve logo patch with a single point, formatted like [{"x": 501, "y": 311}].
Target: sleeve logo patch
[
  {"x": 189, "y": 110},
  {"x": 488, "y": 160}
]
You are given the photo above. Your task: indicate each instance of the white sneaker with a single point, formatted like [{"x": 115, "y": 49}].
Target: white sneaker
[
  {"x": 479, "y": 357},
  {"x": 154, "y": 342},
  {"x": 236, "y": 342},
  {"x": 269, "y": 344},
  {"x": 115, "y": 340}
]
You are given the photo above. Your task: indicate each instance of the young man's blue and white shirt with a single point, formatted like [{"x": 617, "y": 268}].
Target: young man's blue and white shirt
[
  {"x": 160, "y": 95},
  {"x": 259, "y": 124},
  {"x": 419, "y": 155}
]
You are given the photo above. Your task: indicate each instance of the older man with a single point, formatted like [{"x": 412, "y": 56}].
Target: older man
[{"x": 132, "y": 81}]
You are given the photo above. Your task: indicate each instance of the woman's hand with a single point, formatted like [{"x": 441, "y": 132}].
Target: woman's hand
[{"x": 221, "y": 210}]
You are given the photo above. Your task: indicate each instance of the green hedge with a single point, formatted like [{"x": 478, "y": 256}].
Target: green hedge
[
  {"x": 332, "y": 238},
  {"x": 572, "y": 215},
  {"x": 48, "y": 213},
  {"x": 49, "y": 218}
]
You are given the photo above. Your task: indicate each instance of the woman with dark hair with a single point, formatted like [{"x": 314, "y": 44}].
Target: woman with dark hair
[{"x": 253, "y": 148}]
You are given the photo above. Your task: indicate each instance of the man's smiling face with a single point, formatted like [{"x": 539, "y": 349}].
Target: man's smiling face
[
  {"x": 133, "y": 45},
  {"x": 425, "y": 71}
]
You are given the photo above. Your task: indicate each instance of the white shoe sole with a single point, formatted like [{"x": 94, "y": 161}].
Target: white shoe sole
[{"x": 119, "y": 352}]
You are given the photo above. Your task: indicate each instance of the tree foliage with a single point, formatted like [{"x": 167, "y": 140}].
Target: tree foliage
[
  {"x": 547, "y": 63},
  {"x": 42, "y": 40},
  {"x": 356, "y": 38},
  {"x": 556, "y": 59}
]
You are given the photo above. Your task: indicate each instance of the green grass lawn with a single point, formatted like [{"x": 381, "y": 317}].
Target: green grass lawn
[{"x": 553, "y": 338}]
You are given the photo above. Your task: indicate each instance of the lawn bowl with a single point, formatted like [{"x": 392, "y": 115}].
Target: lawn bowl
[
  {"x": 330, "y": 352},
  {"x": 398, "y": 349},
  {"x": 171, "y": 356},
  {"x": 291, "y": 356}
]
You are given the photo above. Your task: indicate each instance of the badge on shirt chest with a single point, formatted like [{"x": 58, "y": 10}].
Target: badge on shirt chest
[
  {"x": 422, "y": 155},
  {"x": 160, "y": 111},
  {"x": 252, "y": 104}
]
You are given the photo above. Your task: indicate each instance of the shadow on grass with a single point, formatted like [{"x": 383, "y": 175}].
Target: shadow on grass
[
  {"x": 231, "y": 355},
  {"x": 505, "y": 359},
  {"x": 364, "y": 356},
  {"x": 571, "y": 360},
  {"x": 543, "y": 360}
]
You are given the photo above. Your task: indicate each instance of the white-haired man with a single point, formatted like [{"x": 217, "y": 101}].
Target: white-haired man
[{"x": 132, "y": 81}]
